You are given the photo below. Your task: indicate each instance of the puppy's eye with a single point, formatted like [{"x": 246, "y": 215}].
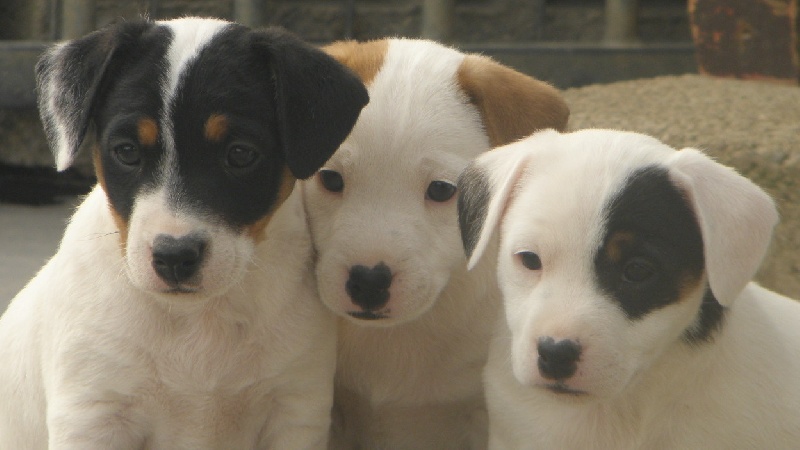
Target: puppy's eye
[
  {"x": 331, "y": 180},
  {"x": 240, "y": 156},
  {"x": 637, "y": 270},
  {"x": 127, "y": 153},
  {"x": 440, "y": 191},
  {"x": 530, "y": 260}
]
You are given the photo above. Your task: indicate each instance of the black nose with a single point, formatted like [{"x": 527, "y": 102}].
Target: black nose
[
  {"x": 177, "y": 259},
  {"x": 369, "y": 288},
  {"x": 558, "y": 360}
]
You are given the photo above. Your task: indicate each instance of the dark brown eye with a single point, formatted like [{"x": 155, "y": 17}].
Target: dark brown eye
[
  {"x": 240, "y": 156},
  {"x": 530, "y": 260},
  {"x": 127, "y": 154},
  {"x": 440, "y": 191},
  {"x": 637, "y": 270},
  {"x": 331, "y": 180}
]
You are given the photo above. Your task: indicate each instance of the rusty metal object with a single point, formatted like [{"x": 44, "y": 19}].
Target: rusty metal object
[{"x": 748, "y": 39}]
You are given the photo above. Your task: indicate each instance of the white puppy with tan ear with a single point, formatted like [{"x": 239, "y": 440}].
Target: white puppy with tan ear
[
  {"x": 414, "y": 325},
  {"x": 630, "y": 320}
]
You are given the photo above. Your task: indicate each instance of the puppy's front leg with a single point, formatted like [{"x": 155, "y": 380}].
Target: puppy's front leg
[
  {"x": 300, "y": 419},
  {"x": 301, "y": 416},
  {"x": 299, "y": 426},
  {"x": 83, "y": 423}
]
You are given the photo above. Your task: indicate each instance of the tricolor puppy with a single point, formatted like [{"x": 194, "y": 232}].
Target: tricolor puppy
[
  {"x": 414, "y": 325},
  {"x": 630, "y": 320},
  {"x": 179, "y": 311}
]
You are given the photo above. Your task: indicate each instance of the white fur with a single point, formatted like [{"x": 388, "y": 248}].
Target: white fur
[
  {"x": 645, "y": 386},
  {"x": 93, "y": 362},
  {"x": 411, "y": 381},
  {"x": 63, "y": 138}
]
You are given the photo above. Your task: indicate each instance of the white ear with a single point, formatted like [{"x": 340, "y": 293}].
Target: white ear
[
  {"x": 484, "y": 190},
  {"x": 736, "y": 219}
]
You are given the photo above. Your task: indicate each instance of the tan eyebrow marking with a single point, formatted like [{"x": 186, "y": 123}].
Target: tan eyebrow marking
[
  {"x": 216, "y": 127},
  {"x": 147, "y": 129}
]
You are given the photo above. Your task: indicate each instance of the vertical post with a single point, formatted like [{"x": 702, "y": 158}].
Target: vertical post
[
  {"x": 621, "y": 19},
  {"x": 77, "y": 18},
  {"x": 152, "y": 9},
  {"x": 349, "y": 10},
  {"x": 437, "y": 20},
  {"x": 248, "y": 12}
]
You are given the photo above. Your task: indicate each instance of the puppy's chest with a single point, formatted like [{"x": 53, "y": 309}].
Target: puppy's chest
[
  {"x": 209, "y": 418},
  {"x": 411, "y": 370},
  {"x": 623, "y": 427},
  {"x": 209, "y": 357},
  {"x": 204, "y": 386}
]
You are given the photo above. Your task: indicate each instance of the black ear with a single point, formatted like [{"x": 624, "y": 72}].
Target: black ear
[
  {"x": 485, "y": 189},
  {"x": 473, "y": 205},
  {"x": 69, "y": 78},
  {"x": 318, "y": 99}
]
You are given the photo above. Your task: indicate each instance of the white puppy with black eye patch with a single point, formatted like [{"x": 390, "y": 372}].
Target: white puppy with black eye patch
[
  {"x": 630, "y": 320},
  {"x": 414, "y": 324},
  {"x": 179, "y": 311}
]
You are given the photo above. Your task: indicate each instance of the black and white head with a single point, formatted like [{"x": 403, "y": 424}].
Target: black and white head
[
  {"x": 201, "y": 128},
  {"x": 612, "y": 247}
]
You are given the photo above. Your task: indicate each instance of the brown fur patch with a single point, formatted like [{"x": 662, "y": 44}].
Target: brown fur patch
[
  {"x": 363, "y": 58},
  {"x": 256, "y": 230},
  {"x": 147, "y": 129},
  {"x": 689, "y": 283},
  {"x": 216, "y": 127},
  {"x": 615, "y": 249},
  {"x": 512, "y": 105},
  {"x": 122, "y": 225}
]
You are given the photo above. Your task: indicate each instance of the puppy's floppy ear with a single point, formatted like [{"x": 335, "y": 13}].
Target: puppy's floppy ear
[
  {"x": 318, "y": 99},
  {"x": 735, "y": 216},
  {"x": 484, "y": 191},
  {"x": 512, "y": 105},
  {"x": 70, "y": 78}
]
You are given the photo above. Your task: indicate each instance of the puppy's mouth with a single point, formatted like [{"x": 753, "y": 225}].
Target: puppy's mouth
[
  {"x": 368, "y": 315},
  {"x": 178, "y": 290},
  {"x": 561, "y": 388}
]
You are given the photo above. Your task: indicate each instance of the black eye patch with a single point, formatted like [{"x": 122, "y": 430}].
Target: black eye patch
[
  {"x": 652, "y": 251},
  {"x": 128, "y": 158}
]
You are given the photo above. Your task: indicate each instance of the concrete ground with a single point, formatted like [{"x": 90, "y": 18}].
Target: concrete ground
[{"x": 29, "y": 236}]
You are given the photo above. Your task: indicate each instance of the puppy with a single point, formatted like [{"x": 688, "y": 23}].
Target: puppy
[
  {"x": 630, "y": 321},
  {"x": 414, "y": 325},
  {"x": 179, "y": 311}
]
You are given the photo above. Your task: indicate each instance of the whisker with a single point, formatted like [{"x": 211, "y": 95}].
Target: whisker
[{"x": 98, "y": 236}]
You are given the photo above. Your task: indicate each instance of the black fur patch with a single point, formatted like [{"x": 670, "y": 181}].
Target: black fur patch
[
  {"x": 284, "y": 100},
  {"x": 660, "y": 231},
  {"x": 709, "y": 320},
  {"x": 228, "y": 77},
  {"x": 131, "y": 92},
  {"x": 473, "y": 203}
]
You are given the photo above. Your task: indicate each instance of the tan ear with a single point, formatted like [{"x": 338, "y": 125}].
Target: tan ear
[
  {"x": 512, "y": 105},
  {"x": 363, "y": 58}
]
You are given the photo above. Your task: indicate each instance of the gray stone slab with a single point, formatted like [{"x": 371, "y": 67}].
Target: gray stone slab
[{"x": 29, "y": 236}]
